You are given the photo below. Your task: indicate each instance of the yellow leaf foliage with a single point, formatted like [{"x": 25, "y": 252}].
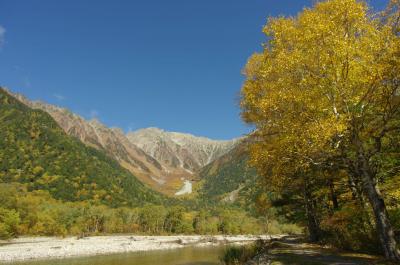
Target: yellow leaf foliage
[{"x": 318, "y": 73}]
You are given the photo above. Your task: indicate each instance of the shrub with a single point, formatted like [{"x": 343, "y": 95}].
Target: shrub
[
  {"x": 351, "y": 232},
  {"x": 236, "y": 255},
  {"x": 9, "y": 221}
]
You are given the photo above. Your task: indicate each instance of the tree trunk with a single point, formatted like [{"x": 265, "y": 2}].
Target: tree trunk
[
  {"x": 334, "y": 198},
  {"x": 312, "y": 224},
  {"x": 357, "y": 192},
  {"x": 383, "y": 226}
]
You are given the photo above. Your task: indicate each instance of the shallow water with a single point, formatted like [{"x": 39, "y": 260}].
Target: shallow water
[{"x": 184, "y": 256}]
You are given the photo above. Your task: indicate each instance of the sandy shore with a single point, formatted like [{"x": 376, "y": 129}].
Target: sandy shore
[{"x": 21, "y": 249}]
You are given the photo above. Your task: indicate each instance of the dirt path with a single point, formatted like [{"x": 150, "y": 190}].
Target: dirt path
[{"x": 292, "y": 251}]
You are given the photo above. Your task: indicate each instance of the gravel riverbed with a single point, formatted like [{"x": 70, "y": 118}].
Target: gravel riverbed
[{"x": 30, "y": 248}]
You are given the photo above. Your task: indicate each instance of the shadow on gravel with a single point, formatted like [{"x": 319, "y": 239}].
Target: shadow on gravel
[{"x": 293, "y": 251}]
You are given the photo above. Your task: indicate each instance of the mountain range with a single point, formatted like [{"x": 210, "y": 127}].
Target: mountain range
[
  {"x": 163, "y": 160},
  {"x": 36, "y": 153}
]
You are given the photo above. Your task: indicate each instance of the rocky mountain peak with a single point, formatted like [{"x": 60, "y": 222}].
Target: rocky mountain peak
[
  {"x": 157, "y": 157},
  {"x": 180, "y": 149}
]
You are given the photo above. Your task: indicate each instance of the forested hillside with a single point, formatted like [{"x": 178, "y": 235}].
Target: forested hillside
[
  {"x": 229, "y": 179},
  {"x": 35, "y": 151},
  {"x": 53, "y": 184},
  {"x": 160, "y": 159}
]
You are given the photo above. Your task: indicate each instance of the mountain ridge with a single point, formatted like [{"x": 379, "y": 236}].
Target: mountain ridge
[
  {"x": 38, "y": 153},
  {"x": 161, "y": 159},
  {"x": 191, "y": 152}
]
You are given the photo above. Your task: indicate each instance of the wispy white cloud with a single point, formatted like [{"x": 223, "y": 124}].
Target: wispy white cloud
[
  {"x": 59, "y": 97},
  {"x": 2, "y": 35}
]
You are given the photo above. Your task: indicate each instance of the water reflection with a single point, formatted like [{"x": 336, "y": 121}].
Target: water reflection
[{"x": 184, "y": 256}]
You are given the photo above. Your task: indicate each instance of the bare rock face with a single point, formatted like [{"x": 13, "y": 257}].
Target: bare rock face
[
  {"x": 112, "y": 141},
  {"x": 179, "y": 150},
  {"x": 163, "y": 160}
]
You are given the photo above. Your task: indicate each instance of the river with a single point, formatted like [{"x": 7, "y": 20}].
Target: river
[{"x": 182, "y": 256}]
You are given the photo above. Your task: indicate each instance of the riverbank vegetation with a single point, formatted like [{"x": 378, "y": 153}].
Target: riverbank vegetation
[
  {"x": 236, "y": 255},
  {"x": 53, "y": 184},
  {"x": 324, "y": 98},
  {"x": 24, "y": 212}
]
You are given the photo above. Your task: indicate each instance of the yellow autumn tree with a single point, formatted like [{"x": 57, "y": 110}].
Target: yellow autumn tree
[{"x": 326, "y": 85}]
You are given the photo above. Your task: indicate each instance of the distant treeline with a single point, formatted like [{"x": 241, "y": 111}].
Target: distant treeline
[
  {"x": 53, "y": 184},
  {"x": 37, "y": 213}
]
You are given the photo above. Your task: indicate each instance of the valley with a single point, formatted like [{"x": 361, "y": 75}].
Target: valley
[
  {"x": 163, "y": 160},
  {"x": 162, "y": 127},
  {"x": 62, "y": 175}
]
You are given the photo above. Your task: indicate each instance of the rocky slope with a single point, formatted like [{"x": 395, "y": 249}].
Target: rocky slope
[
  {"x": 36, "y": 152},
  {"x": 112, "y": 141},
  {"x": 179, "y": 150},
  {"x": 163, "y": 160}
]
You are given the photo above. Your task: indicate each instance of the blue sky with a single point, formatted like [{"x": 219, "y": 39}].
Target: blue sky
[{"x": 172, "y": 64}]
